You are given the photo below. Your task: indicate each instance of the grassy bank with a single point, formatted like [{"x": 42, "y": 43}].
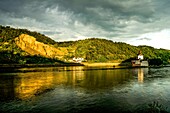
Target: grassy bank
[
  {"x": 112, "y": 64},
  {"x": 37, "y": 65},
  {"x": 63, "y": 64},
  {"x": 101, "y": 64}
]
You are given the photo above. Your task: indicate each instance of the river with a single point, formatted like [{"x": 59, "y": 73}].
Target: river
[{"x": 80, "y": 89}]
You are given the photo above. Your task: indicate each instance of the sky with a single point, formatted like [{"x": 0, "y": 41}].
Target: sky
[{"x": 136, "y": 22}]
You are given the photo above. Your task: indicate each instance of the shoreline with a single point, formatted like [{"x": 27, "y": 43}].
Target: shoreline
[
  {"x": 116, "y": 64},
  {"x": 38, "y": 65},
  {"x": 61, "y": 65},
  {"x": 13, "y": 68},
  {"x": 101, "y": 64}
]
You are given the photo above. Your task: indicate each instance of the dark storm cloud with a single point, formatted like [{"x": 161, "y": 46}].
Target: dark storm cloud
[
  {"x": 118, "y": 20},
  {"x": 108, "y": 14},
  {"x": 85, "y": 11},
  {"x": 10, "y": 5}
]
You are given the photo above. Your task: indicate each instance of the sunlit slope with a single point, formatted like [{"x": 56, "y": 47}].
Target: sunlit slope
[
  {"x": 19, "y": 48},
  {"x": 24, "y": 46},
  {"x": 102, "y": 50},
  {"x": 8, "y": 33},
  {"x": 30, "y": 45}
]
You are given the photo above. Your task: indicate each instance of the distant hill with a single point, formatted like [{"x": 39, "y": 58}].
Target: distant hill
[
  {"x": 29, "y": 48},
  {"x": 102, "y": 50},
  {"x": 9, "y": 33},
  {"x": 13, "y": 50}
]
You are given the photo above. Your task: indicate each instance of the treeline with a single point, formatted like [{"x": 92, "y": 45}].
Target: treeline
[
  {"x": 7, "y": 33},
  {"x": 10, "y": 53},
  {"x": 102, "y": 50},
  {"x": 92, "y": 49}
]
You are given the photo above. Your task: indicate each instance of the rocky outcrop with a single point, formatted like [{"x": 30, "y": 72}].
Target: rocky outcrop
[{"x": 29, "y": 44}]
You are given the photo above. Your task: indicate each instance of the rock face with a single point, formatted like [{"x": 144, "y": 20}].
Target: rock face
[{"x": 29, "y": 44}]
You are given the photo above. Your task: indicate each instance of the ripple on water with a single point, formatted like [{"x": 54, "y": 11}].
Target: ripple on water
[{"x": 98, "y": 91}]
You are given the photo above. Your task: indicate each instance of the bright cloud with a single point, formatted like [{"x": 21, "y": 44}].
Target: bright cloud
[
  {"x": 144, "y": 22},
  {"x": 158, "y": 40}
]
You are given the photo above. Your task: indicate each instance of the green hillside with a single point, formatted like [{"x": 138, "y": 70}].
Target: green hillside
[
  {"x": 9, "y": 33},
  {"x": 102, "y": 50},
  {"x": 92, "y": 49},
  {"x": 12, "y": 54}
]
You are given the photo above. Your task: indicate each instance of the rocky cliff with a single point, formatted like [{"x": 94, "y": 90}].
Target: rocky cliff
[{"x": 29, "y": 44}]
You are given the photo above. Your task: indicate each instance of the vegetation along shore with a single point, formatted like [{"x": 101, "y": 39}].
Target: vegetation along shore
[{"x": 22, "y": 47}]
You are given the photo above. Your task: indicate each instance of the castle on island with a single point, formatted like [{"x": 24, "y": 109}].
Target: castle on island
[{"x": 140, "y": 61}]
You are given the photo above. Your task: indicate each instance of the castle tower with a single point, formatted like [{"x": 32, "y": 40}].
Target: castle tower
[{"x": 140, "y": 56}]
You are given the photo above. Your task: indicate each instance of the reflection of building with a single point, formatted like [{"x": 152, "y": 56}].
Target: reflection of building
[
  {"x": 77, "y": 75},
  {"x": 140, "y": 75}
]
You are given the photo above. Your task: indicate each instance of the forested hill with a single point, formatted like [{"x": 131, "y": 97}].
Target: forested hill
[
  {"x": 11, "y": 53},
  {"x": 9, "y": 33},
  {"x": 92, "y": 49},
  {"x": 102, "y": 50}
]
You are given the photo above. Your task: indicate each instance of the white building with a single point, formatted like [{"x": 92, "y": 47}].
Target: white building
[
  {"x": 140, "y": 57},
  {"x": 78, "y": 60}
]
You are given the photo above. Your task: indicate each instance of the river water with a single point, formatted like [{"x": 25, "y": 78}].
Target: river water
[{"x": 83, "y": 89}]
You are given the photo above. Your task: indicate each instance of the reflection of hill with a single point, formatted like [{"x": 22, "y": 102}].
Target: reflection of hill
[
  {"x": 104, "y": 78},
  {"x": 92, "y": 79},
  {"x": 27, "y": 85},
  {"x": 6, "y": 88}
]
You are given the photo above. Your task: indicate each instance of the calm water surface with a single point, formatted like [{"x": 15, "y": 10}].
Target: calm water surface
[{"x": 82, "y": 89}]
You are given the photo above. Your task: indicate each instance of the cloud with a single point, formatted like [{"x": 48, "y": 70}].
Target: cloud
[
  {"x": 118, "y": 20},
  {"x": 160, "y": 39},
  {"x": 144, "y": 38}
]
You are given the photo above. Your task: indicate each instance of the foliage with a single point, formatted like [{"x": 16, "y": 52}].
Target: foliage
[
  {"x": 102, "y": 50},
  {"x": 92, "y": 49},
  {"x": 7, "y": 33},
  {"x": 9, "y": 58},
  {"x": 12, "y": 54}
]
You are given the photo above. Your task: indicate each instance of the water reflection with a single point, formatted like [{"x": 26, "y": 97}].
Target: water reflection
[
  {"x": 104, "y": 78},
  {"x": 28, "y": 85},
  {"x": 108, "y": 90},
  {"x": 24, "y": 85},
  {"x": 140, "y": 75}
]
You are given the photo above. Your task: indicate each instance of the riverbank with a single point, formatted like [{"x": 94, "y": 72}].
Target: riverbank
[
  {"x": 62, "y": 64},
  {"x": 38, "y": 65},
  {"x": 13, "y": 68},
  {"x": 100, "y": 64},
  {"x": 97, "y": 65}
]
